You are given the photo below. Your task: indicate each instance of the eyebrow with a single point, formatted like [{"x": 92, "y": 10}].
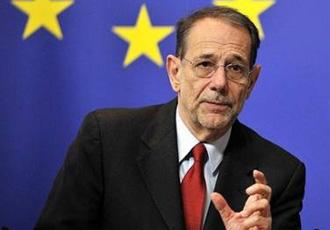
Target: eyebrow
[
  {"x": 235, "y": 57},
  {"x": 240, "y": 59},
  {"x": 206, "y": 56}
]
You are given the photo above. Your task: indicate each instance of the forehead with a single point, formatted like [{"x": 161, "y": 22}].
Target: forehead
[{"x": 219, "y": 37}]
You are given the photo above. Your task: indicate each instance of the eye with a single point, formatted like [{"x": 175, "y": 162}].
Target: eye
[
  {"x": 236, "y": 68},
  {"x": 205, "y": 64}
]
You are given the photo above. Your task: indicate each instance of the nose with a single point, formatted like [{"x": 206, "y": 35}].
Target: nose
[{"x": 219, "y": 80}]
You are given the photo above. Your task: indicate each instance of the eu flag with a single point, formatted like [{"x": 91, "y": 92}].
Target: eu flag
[{"x": 60, "y": 59}]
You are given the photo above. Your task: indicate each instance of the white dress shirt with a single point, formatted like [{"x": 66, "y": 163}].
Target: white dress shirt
[{"x": 186, "y": 141}]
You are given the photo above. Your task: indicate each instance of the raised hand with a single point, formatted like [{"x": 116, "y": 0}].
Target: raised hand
[{"x": 256, "y": 213}]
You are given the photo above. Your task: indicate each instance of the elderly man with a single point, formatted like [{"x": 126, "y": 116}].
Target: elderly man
[{"x": 189, "y": 164}]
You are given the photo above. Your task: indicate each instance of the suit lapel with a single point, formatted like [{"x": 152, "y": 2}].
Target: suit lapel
[
  {"x": 235, "y": 175},
  {"x": 158, "y": 163}
]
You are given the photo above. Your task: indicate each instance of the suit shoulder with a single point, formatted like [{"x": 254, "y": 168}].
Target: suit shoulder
[
  {"x": 283, "y": 170},
  {"x": 124, "y": 114},
  {"x": 121, "y": 118},
  {"x": 268, "y": 149}
]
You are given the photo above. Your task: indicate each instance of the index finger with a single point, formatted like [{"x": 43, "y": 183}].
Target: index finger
[{"x": 259, "y": 177}]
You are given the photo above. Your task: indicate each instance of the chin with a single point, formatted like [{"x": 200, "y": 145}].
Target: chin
[{"x": 216, "y": 123}]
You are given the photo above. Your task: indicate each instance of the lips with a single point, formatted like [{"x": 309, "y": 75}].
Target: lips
[{"x": 216, "y": 106}]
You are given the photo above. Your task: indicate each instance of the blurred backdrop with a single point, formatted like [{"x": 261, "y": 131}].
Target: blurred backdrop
[{"x": 61, "y": 59}]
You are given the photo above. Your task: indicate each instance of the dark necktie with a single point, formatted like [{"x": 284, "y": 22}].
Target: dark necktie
[{"x": 193, "y": 190}]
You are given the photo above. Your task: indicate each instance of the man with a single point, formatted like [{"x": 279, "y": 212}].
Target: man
[{"x": 156, "y": 167}]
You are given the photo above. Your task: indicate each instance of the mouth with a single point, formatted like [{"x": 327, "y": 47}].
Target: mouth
[{"x": 216, "y": 106}]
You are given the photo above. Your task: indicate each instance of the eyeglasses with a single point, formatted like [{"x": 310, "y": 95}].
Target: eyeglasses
[{"x": 205, "y": 68}]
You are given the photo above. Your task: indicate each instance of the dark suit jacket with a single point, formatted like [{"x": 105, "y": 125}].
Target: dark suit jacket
[{"x": 121, "y": 172}]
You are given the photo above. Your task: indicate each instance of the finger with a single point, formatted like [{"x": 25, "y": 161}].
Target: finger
[
  {"x": 254, "y": 228},
  {"x": 222, "y": 206},
  {"x": 251, "y": 199},
  {"x": 260, "y": 190},
  {"x": 259, "y": 187},
  {"x": 257, "y": 222},
  {"x": 248, "y": 203},
  {"x": 259, "y": 177},
  {"x": 260, "y": 207}
]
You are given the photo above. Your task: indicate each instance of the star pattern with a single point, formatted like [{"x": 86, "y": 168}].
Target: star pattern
[
  {"x": 252, "y": 8},
  {"x": 42, "y": 14},
  {"x": 143, "y": 38}
]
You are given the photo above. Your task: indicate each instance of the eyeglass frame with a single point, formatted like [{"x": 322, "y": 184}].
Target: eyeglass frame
[{"x": 245, "y": 75}]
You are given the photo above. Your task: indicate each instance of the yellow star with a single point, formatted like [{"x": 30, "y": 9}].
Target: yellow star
[
  {"x": 143, "y": 38},
  {"x": 251, "y": 8},
  {"x": 42, "y": 13}
]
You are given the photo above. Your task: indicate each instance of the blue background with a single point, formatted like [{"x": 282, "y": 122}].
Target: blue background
[{"x": 47, "y": 86}]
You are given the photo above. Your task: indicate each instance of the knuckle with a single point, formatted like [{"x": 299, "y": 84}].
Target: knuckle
[{"x": 264, "y": 203}]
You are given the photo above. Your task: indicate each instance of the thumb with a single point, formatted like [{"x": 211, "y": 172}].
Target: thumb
[{"x": 222, "y": 206}]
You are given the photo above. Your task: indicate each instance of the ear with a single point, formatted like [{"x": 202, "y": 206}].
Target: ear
[
  {"x": 173, "y": 71},
  {"x": 253, "y": 79}
]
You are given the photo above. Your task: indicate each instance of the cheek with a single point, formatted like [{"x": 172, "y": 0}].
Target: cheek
[
  {"x": 237, "y": 94},
  {"x": 191, "y": 90},
  {"x": 240, "y": 97}
]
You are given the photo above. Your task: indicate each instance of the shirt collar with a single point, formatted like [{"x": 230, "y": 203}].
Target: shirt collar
[{"x": 186, "y": 141}]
